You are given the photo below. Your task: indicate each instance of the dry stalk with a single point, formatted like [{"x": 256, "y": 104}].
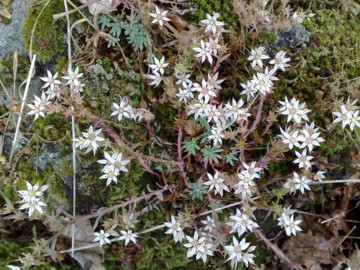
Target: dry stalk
[{"x": 28, "y": 80}]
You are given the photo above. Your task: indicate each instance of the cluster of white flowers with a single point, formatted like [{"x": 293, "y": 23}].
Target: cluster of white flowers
[
  {"x": 175, "y": 229},
  {"x": 241, "y": 222},
  {"x": 215, "y": 181},
  {"x": 297, "y": 183},
  {"x": 53, "y": 90},
  {"x": 238, "y": 253},
  {"x": 89, "y": 140},
  {"x": 113, "y": 165},
  {"x": 262, "y": 82},
  {"x": 103, "y": 237},
  {"x": 246, "y": 186},
  {"x": 198, "y": 246},
  {"x": 209, "y": 48},
  {"x": 32, "y": 199},
  {"x": 348, "y": 115},
  {"x": 286, "y": 221}
]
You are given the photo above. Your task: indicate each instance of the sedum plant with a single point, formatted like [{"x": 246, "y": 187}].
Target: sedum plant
[{"x": 209, "y": 167}]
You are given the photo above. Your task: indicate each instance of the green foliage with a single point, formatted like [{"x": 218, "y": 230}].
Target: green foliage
[
  {"x": 6, "y": 69},
  {"x": 9, "y": 252},
  {"x": 197, "y": 191},
  {"x": 52, "y": 127},
  {"x": 224, "y": 7},
  {"x": 230, "y": 158},
  {"x": 211, "y": 153},
  {"x": 105, "y": 81},
  {"x": 135, "y": 32},
  {"x": 49, "y": 37},
  {"x": 190, "y": 146},
  {"x": 162, "y": 255}
]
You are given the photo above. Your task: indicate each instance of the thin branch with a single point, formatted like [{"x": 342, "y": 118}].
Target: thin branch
[
  {"x": 108, "y": 210},
  {"x": 73, "y": 134},
  {"x": 31, "y": 72},
  {"x": 276, "y": 250}
]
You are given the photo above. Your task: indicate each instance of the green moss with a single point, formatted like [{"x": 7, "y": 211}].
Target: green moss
[
  {"x": 49, "y": 37},
  {"x": 9, "y": 253},
  {"x": 105, "y": 81},
  {"x": 224, "y": 7},
  {"x": 6, "y": 69},
  {"x": 52, "y": 127}
]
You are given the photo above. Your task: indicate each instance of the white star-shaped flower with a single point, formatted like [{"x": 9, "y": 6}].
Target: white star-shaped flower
[
  {"x": 159, "y": 16},
  {"x": 128, "y": 236},
  {"x": 159, "y": 65},
  {"x": 102, "y": 237},
  {"x": 212, "y": 23}
]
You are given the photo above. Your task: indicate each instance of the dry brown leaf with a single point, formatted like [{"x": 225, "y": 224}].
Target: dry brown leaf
[
  {"x": 5, "y": 2},
  {"x": 101, "y": 7},
  {"x": 192, "y": 127},
  {"x": 5, "y": 13},
  {"x": 91, "y": 258},
  {"x": 355, "y": 260},
  {"x": 311, "y": 250}
]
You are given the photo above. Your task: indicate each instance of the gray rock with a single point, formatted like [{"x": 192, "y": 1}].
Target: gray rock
[
  {"x": 295, "y": 37},
  {"x": 10, "y": 39}
]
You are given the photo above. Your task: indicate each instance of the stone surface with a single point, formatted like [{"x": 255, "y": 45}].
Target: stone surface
[
  {"x": 294, "y": 38},
  {"x": 10, "y": 39}
]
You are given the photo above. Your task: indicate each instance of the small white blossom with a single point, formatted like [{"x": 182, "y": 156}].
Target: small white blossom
[
  {"x": 31, "y": 198},
  {"x": 38, "y": 108},
  {"x": 33, "y": 205},
  {"x": 217, "y": 183},
  {"x": 319, "y": 176},
  {"x": 297, "y": 183},
  {"x": 241, "y": 223},
  {"x": 102, "y": 237},
  {"x": 110, "y": 175},
  {"x": 262, "y": 83},
  {"x": 159, "y": 16},
  {"x": 213, "y": 45},
  {"x": 237, "y": 252},
  {"x": 203, "y": 52},
  {"x": 310, "y": 137},
  {"x": 257, "y": 56},
  {"x": 114, "y": 162},
  {"x": 216, "y": 135},
  {"x": 280, "y": 61},
  {"x": 204, "y": 250},
  {"x": 249, "y": 89},
  {"x": 91, "y": 139},
  {"x": 303, "y": 159},
  {"x": 128, "y": 236},
  {"x": 32, "y": 191},
  {"x": 291, "y": 226},
  {"x": 159, "y": 65},
  {"x": 209, "y": 224},
  {"x": 212, "y": 23},
  {"x": 50, "y": 80},
  {"x": 294, "y": 110},
  {"x": 183, "y": 78},
  {"x": 123, "y": 109},
  {"x": 175, "y": 229},
  {"x": 290, "y": 138},
  {"x": 205, "y": 90},
  {"x": 156, "y": 78},
  {"x": 193, "y": 244},
  {"x": 73, "y": 76},
  {"x": 245, "y": 185}
]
